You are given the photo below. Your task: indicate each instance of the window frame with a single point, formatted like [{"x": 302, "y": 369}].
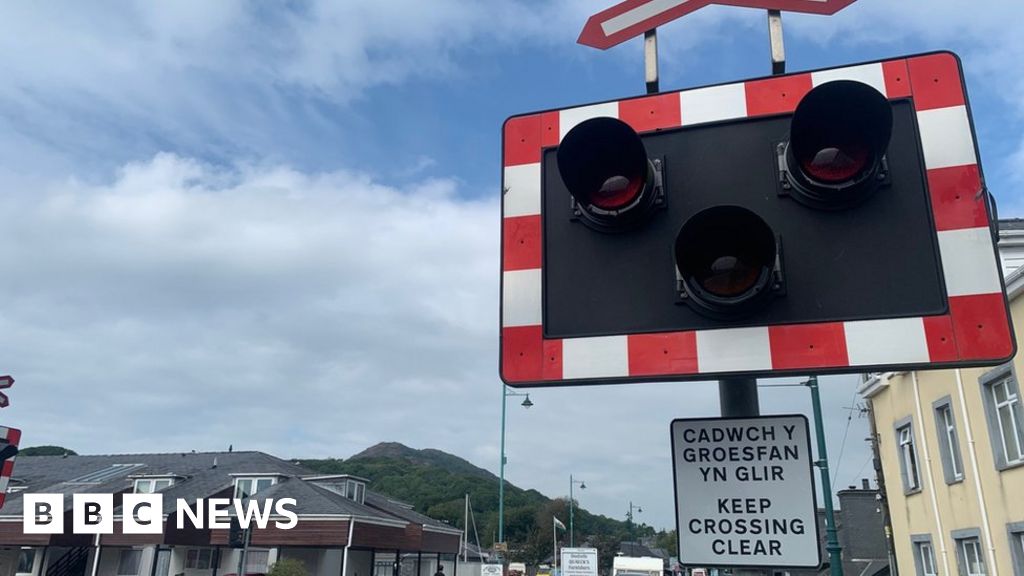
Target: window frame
[
  {"x": 251, "y": 553},
  {"x": 198, "y": 564},
  {"x": 960, "y": 539},
  {"x": 950, "y": 451},
  {"x": 898, "y": 427},
  {"x": 30, "y": 553},
  {"x": 1015, "y": 534},
  {"x": 153, "y": 481},
  {"x": 1005, "y": 374},
  {"x": 138, "y": 561},
  {"x": 918, "y": 543},
  {"x": 255, "y": 480}
]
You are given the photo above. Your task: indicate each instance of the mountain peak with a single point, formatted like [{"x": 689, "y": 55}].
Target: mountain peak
[{"x": 425, "y": 457}]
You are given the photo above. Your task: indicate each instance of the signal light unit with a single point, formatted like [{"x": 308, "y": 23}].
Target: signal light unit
[
  {"x": 835, "y": 156},
  {"x": 728, "y": 262},
  {"x": 605, "y": 167},
  {"x": 861, "y": 171}
]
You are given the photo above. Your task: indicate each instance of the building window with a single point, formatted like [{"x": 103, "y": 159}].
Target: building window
[
  {"x": 26, "y": 560},
  {"x": 908, "y": 456},
  {"x": 349, "y": 488},
  {"x": 256, "y": 561},
  {"x": 1015, "y": 531},
  {"x": 151, "y": 485},
  {"x": 973, "y": 561},
  {"x": 924, "y": 555},
  {"x": 128, "y": 564},
  {"x": 970, "y": 555},
  {"x": 1005, "y": 419},
  {"x": 1007, "y": 406},
  {"x": 949, "y": 441},
  {"x": 245, "y": 487},
  {"x": 198, "y": 558}
]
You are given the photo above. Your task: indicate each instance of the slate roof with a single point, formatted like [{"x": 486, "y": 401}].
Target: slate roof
[
  {"x": 197, "y": 473},
  {"x": 201, "y": 475},
  {"x": 402, "y": 511},
  {"x": 313, "y": 499}
]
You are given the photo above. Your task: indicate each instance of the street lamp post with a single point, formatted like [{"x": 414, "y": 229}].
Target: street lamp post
[
  {"x": 629, "y": 521},
  {"x": 835, "y": 559},
  {"x": 583, "y": 486},
  {"x": 505, "y": 393}
]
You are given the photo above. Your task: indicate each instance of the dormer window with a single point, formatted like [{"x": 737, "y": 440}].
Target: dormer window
[
  {"x": 355, "y": 491},
  {"x": 151, "y": 485},
  {"x": 246, "y": 486},
  {"x": 351, "y": 487}
]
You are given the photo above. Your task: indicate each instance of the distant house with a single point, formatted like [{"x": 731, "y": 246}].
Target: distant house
[{"x": 343, "y": 528}]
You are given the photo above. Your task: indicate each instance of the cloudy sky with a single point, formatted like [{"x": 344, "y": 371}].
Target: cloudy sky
[{"x": 276, "y": 225}]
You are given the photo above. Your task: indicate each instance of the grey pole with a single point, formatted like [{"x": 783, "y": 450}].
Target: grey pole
[{"x": 738, "y": 397}]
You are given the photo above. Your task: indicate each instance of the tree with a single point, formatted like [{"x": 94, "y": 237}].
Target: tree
[
  {"x": 667, "y": 540},
  {"x": 288, "y": 567},
  {"x": 46, "y": 451}
]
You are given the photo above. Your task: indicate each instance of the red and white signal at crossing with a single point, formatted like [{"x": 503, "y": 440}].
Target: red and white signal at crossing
[{"x": 828, "y": 221}]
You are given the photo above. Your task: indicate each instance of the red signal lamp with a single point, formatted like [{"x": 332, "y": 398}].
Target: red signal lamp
[
  {"x": 606, "y": 169},
  {"x": 835, "y": 156}
]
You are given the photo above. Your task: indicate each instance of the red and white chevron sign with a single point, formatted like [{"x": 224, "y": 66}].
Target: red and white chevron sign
[
  {"x": 9, "y": 440},
  {"x": 5, "y": 382},
  {"x": 634, "y": 17}
]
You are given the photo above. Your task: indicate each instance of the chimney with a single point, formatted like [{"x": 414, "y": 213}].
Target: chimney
[{"x": 865, "y": 484}]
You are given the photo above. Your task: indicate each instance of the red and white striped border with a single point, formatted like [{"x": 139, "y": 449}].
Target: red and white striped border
[
  {"x": 13, "y": 437},
  {"x": 976, "y": 329}
]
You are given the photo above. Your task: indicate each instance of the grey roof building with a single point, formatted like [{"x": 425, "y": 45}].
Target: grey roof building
[{"x": 341, "y": 527}]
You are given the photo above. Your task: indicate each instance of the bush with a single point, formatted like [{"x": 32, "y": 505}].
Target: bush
[{"x": 288, "y": 567}]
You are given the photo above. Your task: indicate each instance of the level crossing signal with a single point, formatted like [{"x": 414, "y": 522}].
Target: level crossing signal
[{"x": 827, "y": 221}]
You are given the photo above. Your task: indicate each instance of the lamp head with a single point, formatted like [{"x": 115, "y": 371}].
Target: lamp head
[{"x": 527, "y": 403}]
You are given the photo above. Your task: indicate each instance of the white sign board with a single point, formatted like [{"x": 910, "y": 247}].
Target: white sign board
[
  {"x": 579, "y": 562},
  {"x": 491, "y": 570},
  {"x": 745, "y": 492}
]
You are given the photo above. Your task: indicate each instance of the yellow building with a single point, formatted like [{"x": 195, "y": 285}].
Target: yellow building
[{"x": 951, "y": 444}]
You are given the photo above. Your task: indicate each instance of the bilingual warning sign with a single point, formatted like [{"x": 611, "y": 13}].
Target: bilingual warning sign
[
  {"x": 579, "y": 561},
  {"x": 745, "y": 492}
]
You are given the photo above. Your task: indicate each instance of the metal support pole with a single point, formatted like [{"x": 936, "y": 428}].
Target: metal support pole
[
  {"x": 245, "y": 552},
  {"x": 775, "y": 38},
  {"x": 651, "y": 60},
  {"x": 738, "y": 397},
  {"x": 571, "y": 542},
  {"x": 501, "y": 482},
  {"x": 835, "y": 561}
]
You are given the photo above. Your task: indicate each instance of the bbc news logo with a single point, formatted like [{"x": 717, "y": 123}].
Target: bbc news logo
[{"x": 144, "y": 513}]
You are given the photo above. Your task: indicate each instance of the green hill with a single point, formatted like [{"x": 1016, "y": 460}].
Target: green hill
[{"x": 436, "y": 482}]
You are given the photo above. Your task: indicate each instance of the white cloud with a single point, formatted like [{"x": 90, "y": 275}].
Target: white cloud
[{"x": 178, "y": 282}]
